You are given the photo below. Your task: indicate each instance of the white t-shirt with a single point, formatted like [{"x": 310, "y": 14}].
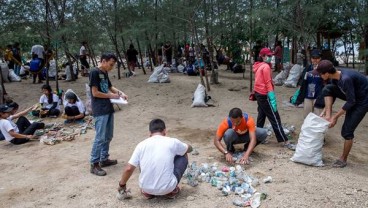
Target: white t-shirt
[
  {"x": 7, "y": 125},
  {"x": 39, "y": 50},
  {"x": 82, "y": 51},
  {"x": 46, "y": 104},
  {"x": 79, "y": 104},
  {"x": 155, "y": 157}
]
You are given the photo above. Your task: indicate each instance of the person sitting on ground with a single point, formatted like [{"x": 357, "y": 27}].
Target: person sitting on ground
[
  {"x": 162, "y": 161},
  {"x": 49, "y": 103},
  {"x": 73, "y": 107},
  {"x": 238, "y": 128},
  {"x": 18, "y": 133}
]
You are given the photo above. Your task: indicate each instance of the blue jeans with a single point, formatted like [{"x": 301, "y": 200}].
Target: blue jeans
[
  {"x": 180, "y": 165},
  {"x": 231, "y": 138},
  {"x": 104, "y": 126}
]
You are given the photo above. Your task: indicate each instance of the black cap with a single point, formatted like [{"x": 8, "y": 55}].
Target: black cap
[
  {"x": 5, "y": 109},
  {"x": 316, "y": 53}
]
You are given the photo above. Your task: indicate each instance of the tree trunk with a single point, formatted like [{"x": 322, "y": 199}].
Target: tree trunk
[{"x": 140, "y": 54}]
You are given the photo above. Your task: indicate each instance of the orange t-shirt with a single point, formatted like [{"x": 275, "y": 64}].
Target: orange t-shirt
[{"x": 241, "y": 129}]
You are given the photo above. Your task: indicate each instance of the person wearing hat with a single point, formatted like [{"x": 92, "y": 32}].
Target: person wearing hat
[
  {"x": 10, "y": 130},
  {"x": 73, "y": 108},
  {"x": 311, "y": 87},
  {"x": 352, "y": 87},
  {"x": 266, "y": 97}
]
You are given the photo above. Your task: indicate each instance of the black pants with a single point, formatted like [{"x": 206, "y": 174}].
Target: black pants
[
  {"x": 54, "y": 112},
  {"x": 72, "y": 111},
  {"x": 39, "y": 75},
  {"x": 25, "y": 127},
  {"x": 265, "y": 110},
  {"x": 84, "y": 62},
  {"x": 28, "y": 128}
]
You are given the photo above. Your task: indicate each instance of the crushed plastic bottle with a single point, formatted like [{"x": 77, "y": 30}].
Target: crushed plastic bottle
[
  {"x": 256, "y": 200},
  {"x": 123, "y": 195},
  {"x": 268, "y": 179}
]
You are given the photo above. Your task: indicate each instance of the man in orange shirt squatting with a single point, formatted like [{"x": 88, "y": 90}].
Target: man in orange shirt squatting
[{"x": 238, "y": 128}]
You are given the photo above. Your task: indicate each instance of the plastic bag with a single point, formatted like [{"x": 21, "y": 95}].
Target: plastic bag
[
  {"x": 159, "y": 75},
  {"x": 294, "y": 75},
  {"x": 199, "y": 97},
  {"x": 88, "y": 100},
  {"x": 13, "y": 77},
  {"x": 309, "y": 148},
  {"x": 5, "y": 72}
]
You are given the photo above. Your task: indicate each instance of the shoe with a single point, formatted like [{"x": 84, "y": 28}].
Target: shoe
[
  {"x": 339, "y": 164},
  {"x": 147, "y": 196},
  {"x": 173, "y": 194},
  {"x": 290, "y": 146},
  {"x": 108, "y": 162},
  {"x": 97, "y": 170}
]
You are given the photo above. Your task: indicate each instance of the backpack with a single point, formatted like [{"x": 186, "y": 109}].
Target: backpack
[{"x": 245, "y": 115}]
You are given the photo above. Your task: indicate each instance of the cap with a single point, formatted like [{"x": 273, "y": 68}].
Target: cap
[
  {"x": 324, "y": 66},
  {"x": 265, "y": 51},
  {"x": 316, "y": 53},
  {"x": 5, "y": 109}
]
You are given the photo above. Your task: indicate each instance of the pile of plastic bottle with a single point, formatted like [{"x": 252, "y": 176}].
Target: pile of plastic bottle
[{"x": 228, "y": 180}]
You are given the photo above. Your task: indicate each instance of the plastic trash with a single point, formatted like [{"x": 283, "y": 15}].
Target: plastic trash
[
  {"x": 268, "y": 179},
  {"x": 123, "y": 195},
  {"x": 256, "y": 200}
]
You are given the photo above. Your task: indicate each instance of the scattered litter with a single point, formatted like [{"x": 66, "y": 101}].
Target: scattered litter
[{"x": 268, "y": 179}]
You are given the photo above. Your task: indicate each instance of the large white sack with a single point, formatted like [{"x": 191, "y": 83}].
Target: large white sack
[
  {"x": 294, "y": 75},
  {"x": 159, "y": 75},
  {"x": 154, "y": 76},
  {"x": 283, "y": 75},
  {"x": 180, "y": 68},
  {"x": 52, "y": 68},
  {"x": 5, "y": 72},
  {"x": 23, "y": 70},
  {"x": 199, "y": 95},
  {"x": 13, "y": 77},
  {"x": 309, "y": 148}
]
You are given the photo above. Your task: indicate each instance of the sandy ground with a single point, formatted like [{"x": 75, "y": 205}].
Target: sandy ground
[{"x": 38, "y": 175}]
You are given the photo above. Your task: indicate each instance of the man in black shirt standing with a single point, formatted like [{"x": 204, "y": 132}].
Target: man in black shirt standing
[{"x": 103, "y": 112}]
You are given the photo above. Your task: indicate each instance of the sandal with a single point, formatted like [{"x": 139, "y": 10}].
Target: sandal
[
  {"x": 147, "y": 196},
  {"x": 173, "y": 194},
  {"x": 339, "y": 164}
]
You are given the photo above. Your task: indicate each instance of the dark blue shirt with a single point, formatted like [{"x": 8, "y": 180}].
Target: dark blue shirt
[
  {"x": 100, "y": 79},
  {"x": 355, "y": 87},
  {"x": 314, "y": 85}
]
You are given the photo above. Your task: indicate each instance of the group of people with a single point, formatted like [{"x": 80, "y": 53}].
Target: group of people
[
  {"x": 22, "y": 130},
  {"x": 321, "y": 84},
  {"x": 162, "y": 160}
]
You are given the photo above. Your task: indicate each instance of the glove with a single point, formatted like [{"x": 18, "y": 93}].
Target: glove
[{"x": 272, "y": 97}]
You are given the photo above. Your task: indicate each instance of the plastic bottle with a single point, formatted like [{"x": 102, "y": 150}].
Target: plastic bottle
[{"x": 256, "y": 200}]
